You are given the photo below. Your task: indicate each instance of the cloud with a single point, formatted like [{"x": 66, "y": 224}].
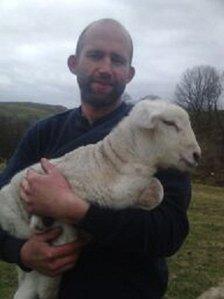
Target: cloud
[{"x": 169, "y": 36}]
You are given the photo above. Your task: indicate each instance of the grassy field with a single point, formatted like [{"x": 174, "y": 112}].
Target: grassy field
[
  {"x": 198, "y": 265},
  {"x": 7, "y": 280}
]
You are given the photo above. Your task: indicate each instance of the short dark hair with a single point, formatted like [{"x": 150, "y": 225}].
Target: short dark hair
[{"x": 80, "y": 42}]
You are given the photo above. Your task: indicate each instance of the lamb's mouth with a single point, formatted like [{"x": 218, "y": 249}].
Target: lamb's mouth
[{"x": 189, "y": 164}]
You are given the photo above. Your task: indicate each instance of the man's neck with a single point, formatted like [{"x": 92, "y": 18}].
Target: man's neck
[{"x": 92, "y": 113}]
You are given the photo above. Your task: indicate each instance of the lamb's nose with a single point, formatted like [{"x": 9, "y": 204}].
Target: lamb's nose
[{"x": 196, "y": 156}]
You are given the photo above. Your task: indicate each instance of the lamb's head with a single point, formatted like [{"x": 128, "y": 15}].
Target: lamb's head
[{"x": 163, "y": 134}]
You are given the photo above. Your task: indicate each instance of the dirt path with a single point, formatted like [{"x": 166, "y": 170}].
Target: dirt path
[{"x": 214, "y": 292}]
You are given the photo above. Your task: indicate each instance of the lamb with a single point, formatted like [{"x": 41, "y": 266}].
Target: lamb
[{"x": 116, "y": 173}]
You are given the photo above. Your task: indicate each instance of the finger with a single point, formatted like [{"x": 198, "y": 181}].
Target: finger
[
  {"x": 25, "y": 186},
  {"x": 46, "y": 165},
  {"x": 51, "y": 234},
  {"x": 60, "y": 264},
  {"x": 24, "y": 196},
  {"x": 67, "y": 249},
  {"x": 63, "y": 269},
  {"x": 30, "y": 173},
  {"x": 26, "y": 201}
]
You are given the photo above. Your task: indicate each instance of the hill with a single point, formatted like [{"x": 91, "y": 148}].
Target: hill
[
  {"x": 16, "y": 117},
  {"x": 28, "y": 110}
]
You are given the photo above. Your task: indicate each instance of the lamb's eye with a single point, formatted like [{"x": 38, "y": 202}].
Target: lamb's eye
[{"x": 171, "y": 124}]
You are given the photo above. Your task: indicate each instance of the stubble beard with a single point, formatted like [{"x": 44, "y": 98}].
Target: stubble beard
[{"x": 88, "y": 96}]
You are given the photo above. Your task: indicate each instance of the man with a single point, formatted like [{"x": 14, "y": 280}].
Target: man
[{"x": 125, "y": 257}]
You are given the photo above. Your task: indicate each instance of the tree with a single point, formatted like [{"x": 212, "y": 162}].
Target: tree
[{"x": 199, "y": 89}]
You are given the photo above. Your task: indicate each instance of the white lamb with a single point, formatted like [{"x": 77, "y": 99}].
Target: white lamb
[{"x": 115, "y": 172}]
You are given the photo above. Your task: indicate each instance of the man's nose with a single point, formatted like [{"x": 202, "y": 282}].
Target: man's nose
[{"x": 105, "y": 66}]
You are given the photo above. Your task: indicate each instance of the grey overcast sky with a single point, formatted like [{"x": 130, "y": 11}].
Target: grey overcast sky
[{"x": 37, "y": 36}]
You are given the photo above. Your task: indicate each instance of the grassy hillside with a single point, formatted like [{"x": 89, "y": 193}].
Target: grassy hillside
[
  {"x": 200, "y": 262},
  {"x": 15, "y": 118},
  {"x": 26, "y": 110}
]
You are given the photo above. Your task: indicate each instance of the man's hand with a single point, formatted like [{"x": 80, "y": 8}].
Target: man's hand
[
  {"x": 50, "y": 194},
  {"x": 49, "y": 260}
]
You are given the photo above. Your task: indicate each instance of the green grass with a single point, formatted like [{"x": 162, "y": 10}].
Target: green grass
[
  {"x": 198, "y": 265},
  {"x": 7, "y": 280}
]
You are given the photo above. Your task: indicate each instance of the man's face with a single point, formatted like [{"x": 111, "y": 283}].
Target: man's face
[{"x": 103, "y": 66}]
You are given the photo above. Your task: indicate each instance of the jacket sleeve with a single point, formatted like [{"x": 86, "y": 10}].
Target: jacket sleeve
[
  {"x": 10, "y": 249},
  {"x": 159, "y": 232},
  {"x": 24, "y": 156}
]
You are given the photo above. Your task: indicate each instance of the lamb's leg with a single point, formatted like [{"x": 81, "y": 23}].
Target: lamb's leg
[
  {"x": 27, "y": 287},
  {"x": 48, "y": 287},
  {"x": 34, "y": 285},
  {"x": 152, "y": 195}
]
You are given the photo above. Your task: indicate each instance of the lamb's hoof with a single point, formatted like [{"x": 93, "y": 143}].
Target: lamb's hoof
[{"x": 152, "y": 196}]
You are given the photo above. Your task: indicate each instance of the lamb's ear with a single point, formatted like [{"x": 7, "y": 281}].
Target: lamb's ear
[{"x": 146, "y": 118}]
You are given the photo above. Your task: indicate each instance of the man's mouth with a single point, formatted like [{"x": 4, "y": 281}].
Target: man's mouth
[{"x": 101, "y": 86}]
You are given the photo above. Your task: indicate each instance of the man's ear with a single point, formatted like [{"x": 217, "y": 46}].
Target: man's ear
[
  {"x": 131, "y": 74},
  {"x": 72, "y": 64}
]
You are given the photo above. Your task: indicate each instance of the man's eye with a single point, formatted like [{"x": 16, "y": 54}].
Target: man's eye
[
  {"x": 95, "y": 56},
  {"x": 118, "y": 60}
]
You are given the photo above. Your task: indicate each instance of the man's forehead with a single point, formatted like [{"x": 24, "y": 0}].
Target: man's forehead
[
  {"x": 108, "y": 36},
  {"x": 110, "y": 28},
  {"x": 106, "y": 44}
]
